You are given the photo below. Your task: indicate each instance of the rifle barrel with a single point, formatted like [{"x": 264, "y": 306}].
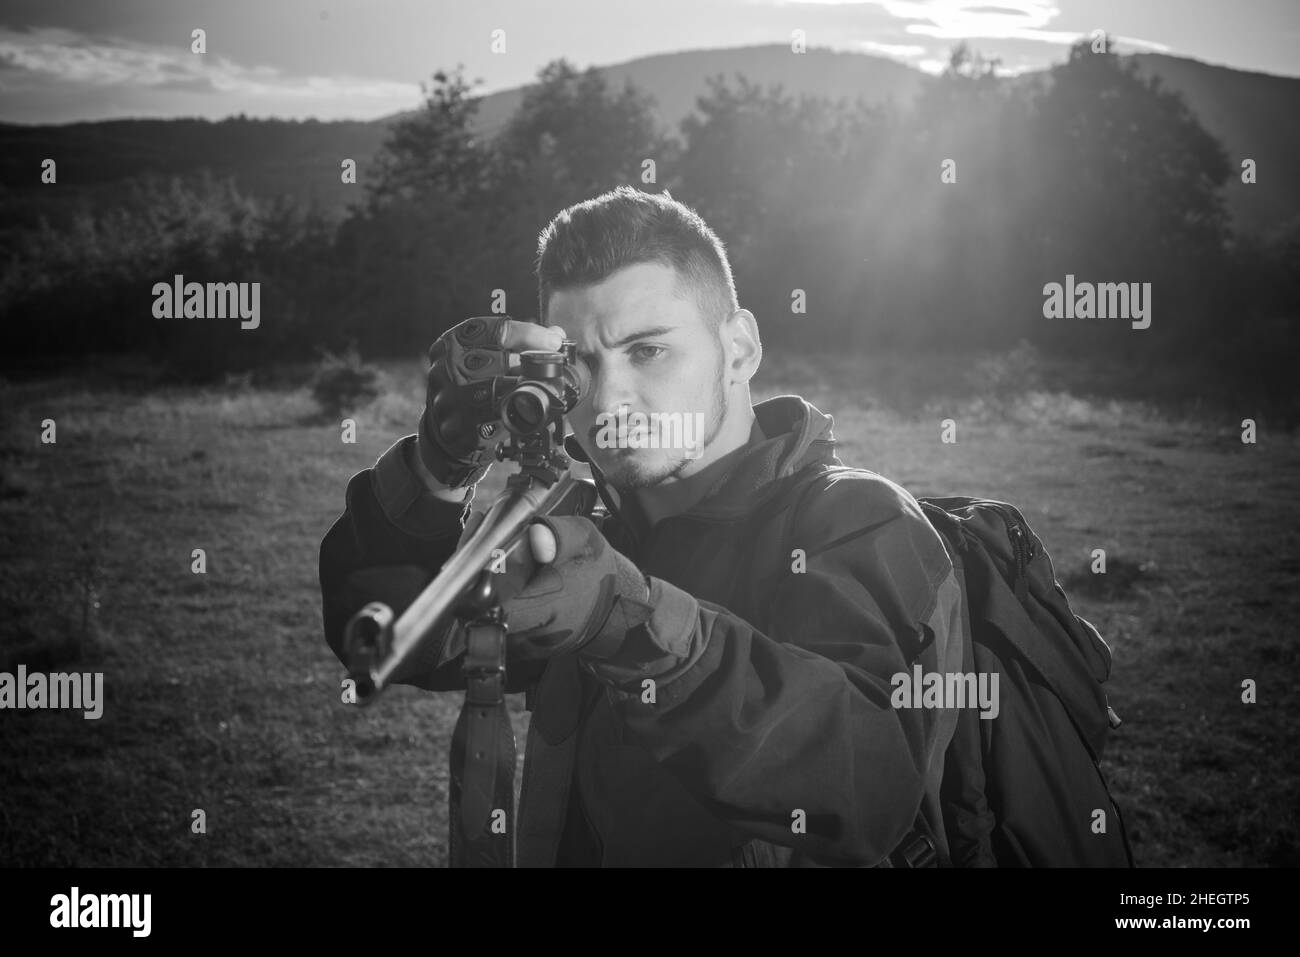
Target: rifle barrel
[{"x": 378, "y": 647}]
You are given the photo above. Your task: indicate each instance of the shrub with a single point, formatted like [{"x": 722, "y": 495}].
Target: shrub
[{"x": 343, "y": 382}]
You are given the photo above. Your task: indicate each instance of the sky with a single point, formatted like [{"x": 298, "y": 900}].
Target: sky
[{"x": 68, "y": 60}]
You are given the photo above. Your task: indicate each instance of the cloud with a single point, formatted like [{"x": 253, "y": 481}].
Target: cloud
[
  {"x": 1004, "y": 11},
  {"x": 81, "y": 60},
  {"x": 892, "y": 49},
  {"x": 932, "y": 66},
  {"x": 980, "y": 20},
  {"x": 1122, "y": 43},
  {"x": 966, "y": 19}
]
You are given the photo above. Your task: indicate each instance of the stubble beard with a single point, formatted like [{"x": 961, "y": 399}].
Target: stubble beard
[{"x": 631, "y": 474}]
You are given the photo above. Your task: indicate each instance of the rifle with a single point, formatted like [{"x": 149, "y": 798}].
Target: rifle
[{"x": 378, "y": 643}]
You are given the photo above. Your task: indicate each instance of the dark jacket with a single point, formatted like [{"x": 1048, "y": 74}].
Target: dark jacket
[{"x": 772, "y": 675}]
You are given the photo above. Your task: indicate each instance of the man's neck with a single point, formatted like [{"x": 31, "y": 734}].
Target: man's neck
[{"x": 680, "y": 494}]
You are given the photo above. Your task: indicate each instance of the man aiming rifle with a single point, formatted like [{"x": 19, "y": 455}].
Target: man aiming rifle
[{"x": 708, "y": 658}]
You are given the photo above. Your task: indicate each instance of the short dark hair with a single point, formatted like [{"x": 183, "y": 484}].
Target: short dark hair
[{"x": 587, "y": 242}]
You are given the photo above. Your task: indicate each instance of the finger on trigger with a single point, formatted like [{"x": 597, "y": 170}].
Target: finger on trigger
[{"x": 542, "y": 542}]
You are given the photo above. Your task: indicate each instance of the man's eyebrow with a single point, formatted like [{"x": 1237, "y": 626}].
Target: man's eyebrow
[{"x": 643, "y": 334}]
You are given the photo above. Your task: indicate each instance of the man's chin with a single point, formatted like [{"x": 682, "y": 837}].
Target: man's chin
[{"x": 626, "y": 471}]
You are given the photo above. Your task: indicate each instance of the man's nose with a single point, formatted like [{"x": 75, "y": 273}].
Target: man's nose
[{"x": 608, "y": 394}]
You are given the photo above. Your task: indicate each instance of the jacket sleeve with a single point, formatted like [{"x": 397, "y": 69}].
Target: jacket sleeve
[
  {"x": 387, "y": 545},
  {"x": 760, "y": 726}
]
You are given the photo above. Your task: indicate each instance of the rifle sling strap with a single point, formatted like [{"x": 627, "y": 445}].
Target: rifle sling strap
[{"x": 482, "y": 798}]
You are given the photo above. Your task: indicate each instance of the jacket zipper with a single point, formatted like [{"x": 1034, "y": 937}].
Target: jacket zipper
[{"x": 1021, "y": 547}]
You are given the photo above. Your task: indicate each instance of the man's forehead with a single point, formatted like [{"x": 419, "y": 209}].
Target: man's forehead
[{"x": 643, "y": 295}]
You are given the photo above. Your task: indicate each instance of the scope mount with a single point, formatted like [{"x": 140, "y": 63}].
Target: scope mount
[{"x": 538, "y": 455}]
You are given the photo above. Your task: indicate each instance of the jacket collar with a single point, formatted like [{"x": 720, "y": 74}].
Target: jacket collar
[{"x": 790, "y": 435}]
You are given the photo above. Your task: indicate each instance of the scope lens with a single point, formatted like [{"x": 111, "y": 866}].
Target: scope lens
[{"x": 524, "y": 410}]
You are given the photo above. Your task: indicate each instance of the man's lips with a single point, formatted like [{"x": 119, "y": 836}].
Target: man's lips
[{"x": 625, "y": 436}]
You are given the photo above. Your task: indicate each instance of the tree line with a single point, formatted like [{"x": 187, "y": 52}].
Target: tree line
[{"x": 850, "y": 227}]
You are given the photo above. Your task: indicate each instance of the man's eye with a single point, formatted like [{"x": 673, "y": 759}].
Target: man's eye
[{"x": 648, "y": 353}]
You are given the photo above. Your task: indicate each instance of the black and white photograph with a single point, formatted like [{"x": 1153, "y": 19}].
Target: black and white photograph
[{"x": 827, "y": 434}]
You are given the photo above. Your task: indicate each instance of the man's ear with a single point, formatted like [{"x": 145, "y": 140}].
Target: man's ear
[{"x": 743, "y": 346}]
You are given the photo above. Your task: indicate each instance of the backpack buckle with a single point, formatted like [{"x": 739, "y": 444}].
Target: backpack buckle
[{"x": 917, "y": 850}]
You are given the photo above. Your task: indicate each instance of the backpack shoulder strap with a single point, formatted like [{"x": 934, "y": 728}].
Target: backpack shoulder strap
[{"x": 760, "y": 588}]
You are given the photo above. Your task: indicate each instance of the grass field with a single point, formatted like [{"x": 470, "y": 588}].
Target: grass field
[{"x": 222, "y": 696}]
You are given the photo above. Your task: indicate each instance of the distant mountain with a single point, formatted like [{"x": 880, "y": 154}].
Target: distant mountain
[
  {"x": 676, "y": 79},
  {"x": 1254, "y": 116},
  {"x": 1247, "y": 111}
]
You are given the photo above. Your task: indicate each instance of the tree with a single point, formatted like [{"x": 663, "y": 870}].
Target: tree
[
  {"x": 752, "y": 154},
  {"x": 1134, "y": 185},
  {"x": 801, "y": 192},
  {"x": 435, "y": 151},
  {"x": 572, "y": 138},
  {"x": 961, "y": 210}
]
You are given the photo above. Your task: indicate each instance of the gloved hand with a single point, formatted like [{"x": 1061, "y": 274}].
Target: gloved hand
[
  {"x": 459, "y": 425},
  {"x": 565, "y": 588}
]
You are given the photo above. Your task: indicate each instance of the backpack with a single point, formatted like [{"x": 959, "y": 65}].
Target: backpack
[{"x": 1024, "y": 789}]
